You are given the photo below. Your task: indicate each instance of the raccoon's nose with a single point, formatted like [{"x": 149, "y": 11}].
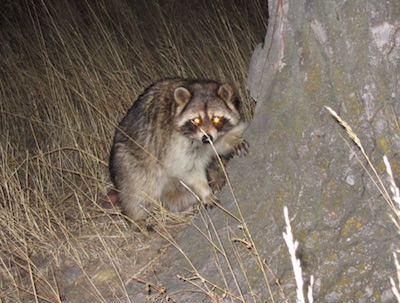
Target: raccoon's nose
[{"x": 207, "y": 139}]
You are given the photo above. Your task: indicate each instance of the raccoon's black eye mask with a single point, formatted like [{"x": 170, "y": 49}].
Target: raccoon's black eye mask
[
  {"x": 191, "y": 126},
  {"x": 216, "y": 120},
  {"x": 197, "y": 121},
  {"x": 221, "y": 123}
]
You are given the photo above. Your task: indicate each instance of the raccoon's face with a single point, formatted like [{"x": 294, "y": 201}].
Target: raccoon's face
[{"x": 206, "y": 111}]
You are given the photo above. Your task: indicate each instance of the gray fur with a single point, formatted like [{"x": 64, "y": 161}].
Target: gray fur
[{"x": 157, "y": 145}]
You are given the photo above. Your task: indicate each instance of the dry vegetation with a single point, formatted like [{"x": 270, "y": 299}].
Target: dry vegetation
[
  {"x": 389, "y": 192},
  {"x": 69, "y": 70}
]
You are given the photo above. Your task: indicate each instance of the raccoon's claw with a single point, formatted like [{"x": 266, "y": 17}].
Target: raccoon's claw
[
  {"x": 242, "y": 149},
  {"x": 210, "y": 201}
]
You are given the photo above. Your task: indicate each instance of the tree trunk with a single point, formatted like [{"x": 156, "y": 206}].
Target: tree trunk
[{"x": 341, "y": 54}]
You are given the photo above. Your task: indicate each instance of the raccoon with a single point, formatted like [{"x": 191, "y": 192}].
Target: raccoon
[{"x": 161, "y": 149}]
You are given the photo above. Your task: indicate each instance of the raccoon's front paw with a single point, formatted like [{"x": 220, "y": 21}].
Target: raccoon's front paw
[
  {"x": 242, "y": 148},
  {"x": 210, "y": 201}
]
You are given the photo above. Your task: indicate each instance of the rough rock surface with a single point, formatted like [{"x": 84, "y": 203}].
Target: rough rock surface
[{"x": 342, "y": 54}]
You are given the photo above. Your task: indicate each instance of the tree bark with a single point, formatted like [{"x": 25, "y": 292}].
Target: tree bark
[{"x": 341, "y": 54}]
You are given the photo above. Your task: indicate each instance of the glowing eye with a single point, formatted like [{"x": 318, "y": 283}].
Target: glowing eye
[
  {"x": 196, "y": 121},
  {"x": 216, "y": 120}
]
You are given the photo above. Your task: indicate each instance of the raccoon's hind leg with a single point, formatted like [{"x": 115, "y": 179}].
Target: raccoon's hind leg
[
  {"x": 176, "y": 197},
  {"x": 139, "y": 188},
  {"x": 135, "y": 207},
  {"x": 215, "y": 173},
  {"x": 199, "y": 184}
]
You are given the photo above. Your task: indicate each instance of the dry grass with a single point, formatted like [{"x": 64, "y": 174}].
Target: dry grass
[
  {"x": 389, "y": 192},
  {"x": 69, "y": 71}
]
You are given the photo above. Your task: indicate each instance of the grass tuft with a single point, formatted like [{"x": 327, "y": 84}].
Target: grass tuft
[{"x": 69, "y": 71}]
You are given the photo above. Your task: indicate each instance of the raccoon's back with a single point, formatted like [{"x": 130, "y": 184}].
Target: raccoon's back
[{"x": 148, "y": 125}]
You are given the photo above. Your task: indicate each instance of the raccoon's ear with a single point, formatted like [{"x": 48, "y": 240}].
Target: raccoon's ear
[
  {"x": 182, "y": 96},
  {"x": 227, "y": 93}
]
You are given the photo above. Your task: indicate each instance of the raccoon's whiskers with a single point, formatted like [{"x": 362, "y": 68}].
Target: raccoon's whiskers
[{"x": 208, "y": 138}]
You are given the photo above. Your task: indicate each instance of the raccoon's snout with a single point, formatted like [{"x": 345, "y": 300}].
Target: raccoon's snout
[{"x": 207, "y": 139}]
